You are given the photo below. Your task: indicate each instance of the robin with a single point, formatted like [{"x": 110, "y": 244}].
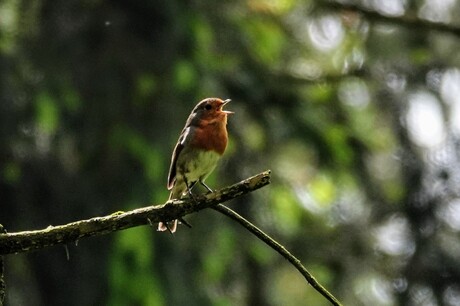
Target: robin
[{"x": 200, "y": 146}]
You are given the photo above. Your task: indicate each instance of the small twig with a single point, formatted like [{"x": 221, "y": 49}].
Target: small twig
[
  {"x": 2, "y": 282},
  {"x": 67, "y": 253},
  {"x": 2, "y": 276},
  {"x": 280, "y": 249},
  {"x": 72, "y": 232},
  {"x": 410, "y": 20}
]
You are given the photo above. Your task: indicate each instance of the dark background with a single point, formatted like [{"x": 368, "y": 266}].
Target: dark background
[{"x": 356, "y": 113}]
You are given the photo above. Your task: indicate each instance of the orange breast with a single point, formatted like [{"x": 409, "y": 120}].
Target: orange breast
[{"x": 211, "y": 135}]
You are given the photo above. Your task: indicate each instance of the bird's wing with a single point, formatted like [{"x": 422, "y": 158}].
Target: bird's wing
[{"x": 179, "y": 146}]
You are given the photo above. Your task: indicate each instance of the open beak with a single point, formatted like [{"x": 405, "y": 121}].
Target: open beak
[{"x": 225, "y": 103}]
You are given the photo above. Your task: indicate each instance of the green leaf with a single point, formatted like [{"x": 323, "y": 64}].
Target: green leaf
[{"x": 47, "y": 113}]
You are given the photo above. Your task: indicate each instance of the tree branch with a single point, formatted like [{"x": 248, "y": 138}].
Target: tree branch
[
  {"x": 72, "y": 232},
  {"x": 409, "y": 20},
  {"x": 278, "y": 248}
]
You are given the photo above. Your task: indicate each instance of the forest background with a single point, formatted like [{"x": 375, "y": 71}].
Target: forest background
[{"x": 353, "y": 105}]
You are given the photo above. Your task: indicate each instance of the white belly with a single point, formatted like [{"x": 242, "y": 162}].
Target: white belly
[{"x": 201, "y": 166}]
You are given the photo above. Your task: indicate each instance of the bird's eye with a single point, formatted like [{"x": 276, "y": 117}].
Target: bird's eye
[{"x": 208, "y": 106}]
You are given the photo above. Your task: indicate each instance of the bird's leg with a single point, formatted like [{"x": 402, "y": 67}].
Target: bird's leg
[
  {"x": 206, "y": 186},
  {"x": 189, "y": 189}
]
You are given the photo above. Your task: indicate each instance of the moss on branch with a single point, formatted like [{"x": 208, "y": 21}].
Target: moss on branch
[{"x": 70, "y": 233}]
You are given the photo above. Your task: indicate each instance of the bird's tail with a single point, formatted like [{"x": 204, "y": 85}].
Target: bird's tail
[
  {"x": 176, "y": 193},
  {"x": 171, "y": 226}
]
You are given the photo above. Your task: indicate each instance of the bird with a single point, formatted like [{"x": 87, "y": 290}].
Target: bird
[{"x": 201, "y": 144}]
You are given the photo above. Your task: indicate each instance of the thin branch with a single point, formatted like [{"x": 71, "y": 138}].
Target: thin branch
[
  {"x": 2, "y": 282},
  {"x": 72, "y": 232},
  {"x": 280, "y": 249},
  {"x": 410, "y": 20},
  {"x": 328, "y": 79},
  {"x": 2, "y": 276}
]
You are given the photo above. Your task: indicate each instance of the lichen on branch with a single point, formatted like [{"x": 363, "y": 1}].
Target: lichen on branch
[{"x": 70, "y": 233}]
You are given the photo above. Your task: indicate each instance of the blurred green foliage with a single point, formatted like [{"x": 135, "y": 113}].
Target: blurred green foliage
[{"x": 94, "y": 95}]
